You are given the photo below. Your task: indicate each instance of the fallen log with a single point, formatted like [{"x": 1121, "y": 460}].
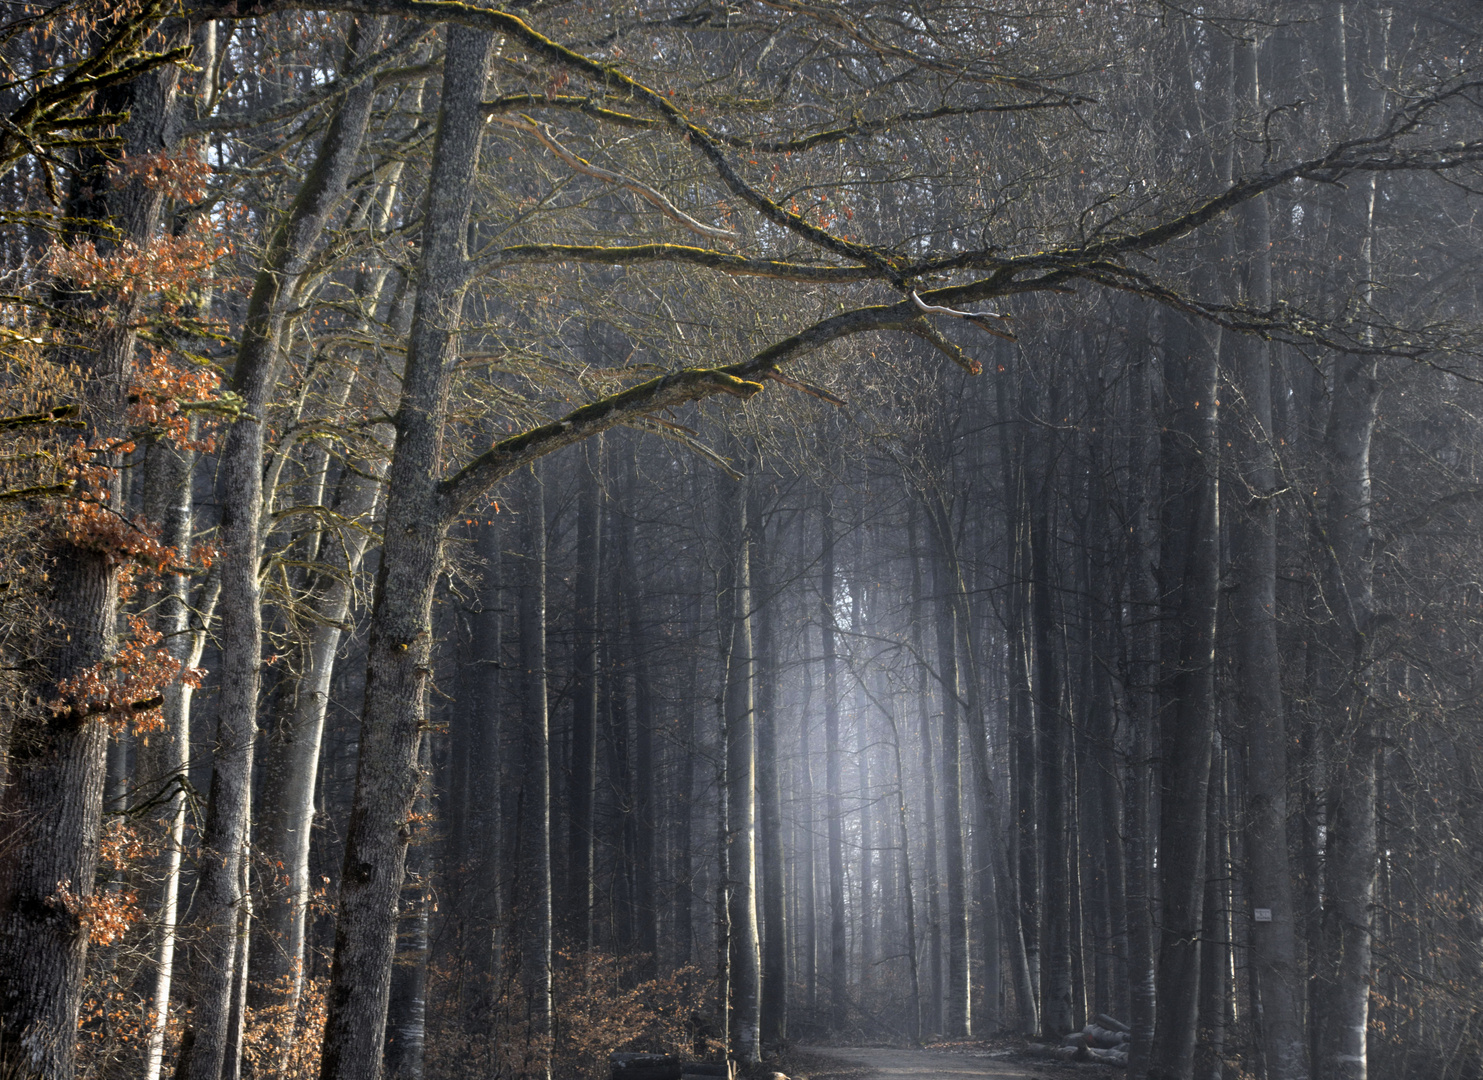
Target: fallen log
[
  {"x": 1103, "y": 1037},
  {"x": 636, "y": 1065}
]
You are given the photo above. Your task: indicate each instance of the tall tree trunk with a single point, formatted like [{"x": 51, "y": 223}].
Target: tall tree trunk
[
  {"x": 838, "y": 954},
  {"x": 1143, "y": 642},
  {"x": 646, "y": 722},
  {"x": 1258, "y": 682},
  {"x": 1216, "y": 990},
  {"x": 807, "y": 860},
  {"x": 293, "y": 753},
  {"x": 987, "y": 862},
  {"x": 275, "y": 294},
  {"x": 958, "y": 1017},
  {"x": 741, "y": 759},
  {"x": 684, "y": 841},
  {"x": 1024, "y": 780},
  {"x": 406, "y": 1012},
  {"x": 1342, "y": 990},
  {"x": 935, "y": 967},
  {"x": 908, "y": 892},
  {"x": 1192, "y": 566},
  {"x": 400, "y": 641},
  {"x": 769, "y": 801},
  {"x": 579, "y": 885},
  {"x": 57, "y": 760},
  {"x": 162, "y": 761},
  {"x": 1055, "y": 980},
  {"x": 533, "y": 881}
]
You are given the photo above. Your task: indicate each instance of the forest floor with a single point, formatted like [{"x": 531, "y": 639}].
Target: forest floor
[{"x": 991, "y": 1060}]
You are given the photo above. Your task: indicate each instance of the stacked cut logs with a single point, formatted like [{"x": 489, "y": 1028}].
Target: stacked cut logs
[
  {"x": 646, "y": 1066},
  {"x": 1103, "y": 1040}
]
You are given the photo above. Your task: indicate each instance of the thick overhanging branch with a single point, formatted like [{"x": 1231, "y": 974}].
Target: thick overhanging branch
[
  {"x": 741, "y": 380},
  {"x": 637, "y": 254},
  {"x": 858, "y": 126}
]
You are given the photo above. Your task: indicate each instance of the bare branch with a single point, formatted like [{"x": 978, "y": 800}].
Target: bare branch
[{"x": 581, "y": 165}]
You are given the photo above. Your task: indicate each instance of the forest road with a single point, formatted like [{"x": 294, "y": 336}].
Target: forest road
[{"x": 884, "y": 1063}]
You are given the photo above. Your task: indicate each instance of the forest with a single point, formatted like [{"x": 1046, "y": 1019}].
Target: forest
[{"x": 699, "y": 527}]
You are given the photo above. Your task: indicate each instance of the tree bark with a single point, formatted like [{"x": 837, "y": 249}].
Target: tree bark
[
  {"x": 1143, "y": 643},
  {"x": 398, "y": 650},
  {"x": 57, "y": 760},
  {"x": 838, "y": 954},
  {"x": 1258, "y": 683},
  {"x": 214, "y": 918},
  {"x": 741, "y": 758},
  {"x": 162, "y": 760},
  {"x": 406, "y": 1013},
  {"x": 533, "y": 901},
  {"x": 1347, "y": 554},
  {"x": 935, "y": 967},
  {"x": 769, "y": 801},
  {"x": 958, "y": 1017},
  {"x": 1192, "y": 533},
  {"x": 579, "y": 885}
]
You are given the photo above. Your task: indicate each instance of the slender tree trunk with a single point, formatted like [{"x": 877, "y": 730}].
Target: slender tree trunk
[
  {"x": 741, "y": 758},
  {"x": 958, "y": 1018},
  {"x": 1258, "y": 682},
  {"x": 685, "y": 856},
  {"x": 1024, "y": 796},
  {"x": 214, "y": 920},
  {"x": 1143, "y": 641},
  {"x": 807, "y": 860},
  {"x": 162, "y": 761},
  {"x": 985, "y": 810},
  {"x": 1216, "y": 989},
  {"x": 838, "y": 948},
  {"x": 1055, "y": 983},
  {"x": 769, "y": 803},
  {"x": 579, "y": 885},
  {"x": 293, "y": 754},
  {"x": 1342, "y": 990},
  {"x": 533, "y": 903},
  {"x": 646, "y": 721},
  {"x": 935, "y": 972},
  {"x": 1193, "y": 535}
]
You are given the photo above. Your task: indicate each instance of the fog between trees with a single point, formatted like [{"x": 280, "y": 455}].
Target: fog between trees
[{"x": 535, "y": 532}]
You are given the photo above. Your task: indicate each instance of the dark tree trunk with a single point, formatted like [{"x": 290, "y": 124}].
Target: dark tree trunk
[
  {"x": 57, "y": 760},
  {"x": 769, "y": 802},
  {"x": 1143, "y": 641},
  {"x": 533, "y": 902},
  {"x": 958, "y": 1019},
  {"x": 1055, "y": 981},
  {"x": 1258, "y": 682},
  {"x": 935, "y": 967},
  {"x": 1192, "y": 563},
  {"x": 579, "y": 884},
  {"x": 807, "y": 862}
]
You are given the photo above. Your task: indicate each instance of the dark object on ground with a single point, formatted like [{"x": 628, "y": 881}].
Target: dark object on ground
[
  {"x": 630, "y": 1065},
  {"x": 1103, "y": 1040}
]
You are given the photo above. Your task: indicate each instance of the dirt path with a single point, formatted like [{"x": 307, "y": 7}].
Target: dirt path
[{"x": 881, "y": 1063}]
